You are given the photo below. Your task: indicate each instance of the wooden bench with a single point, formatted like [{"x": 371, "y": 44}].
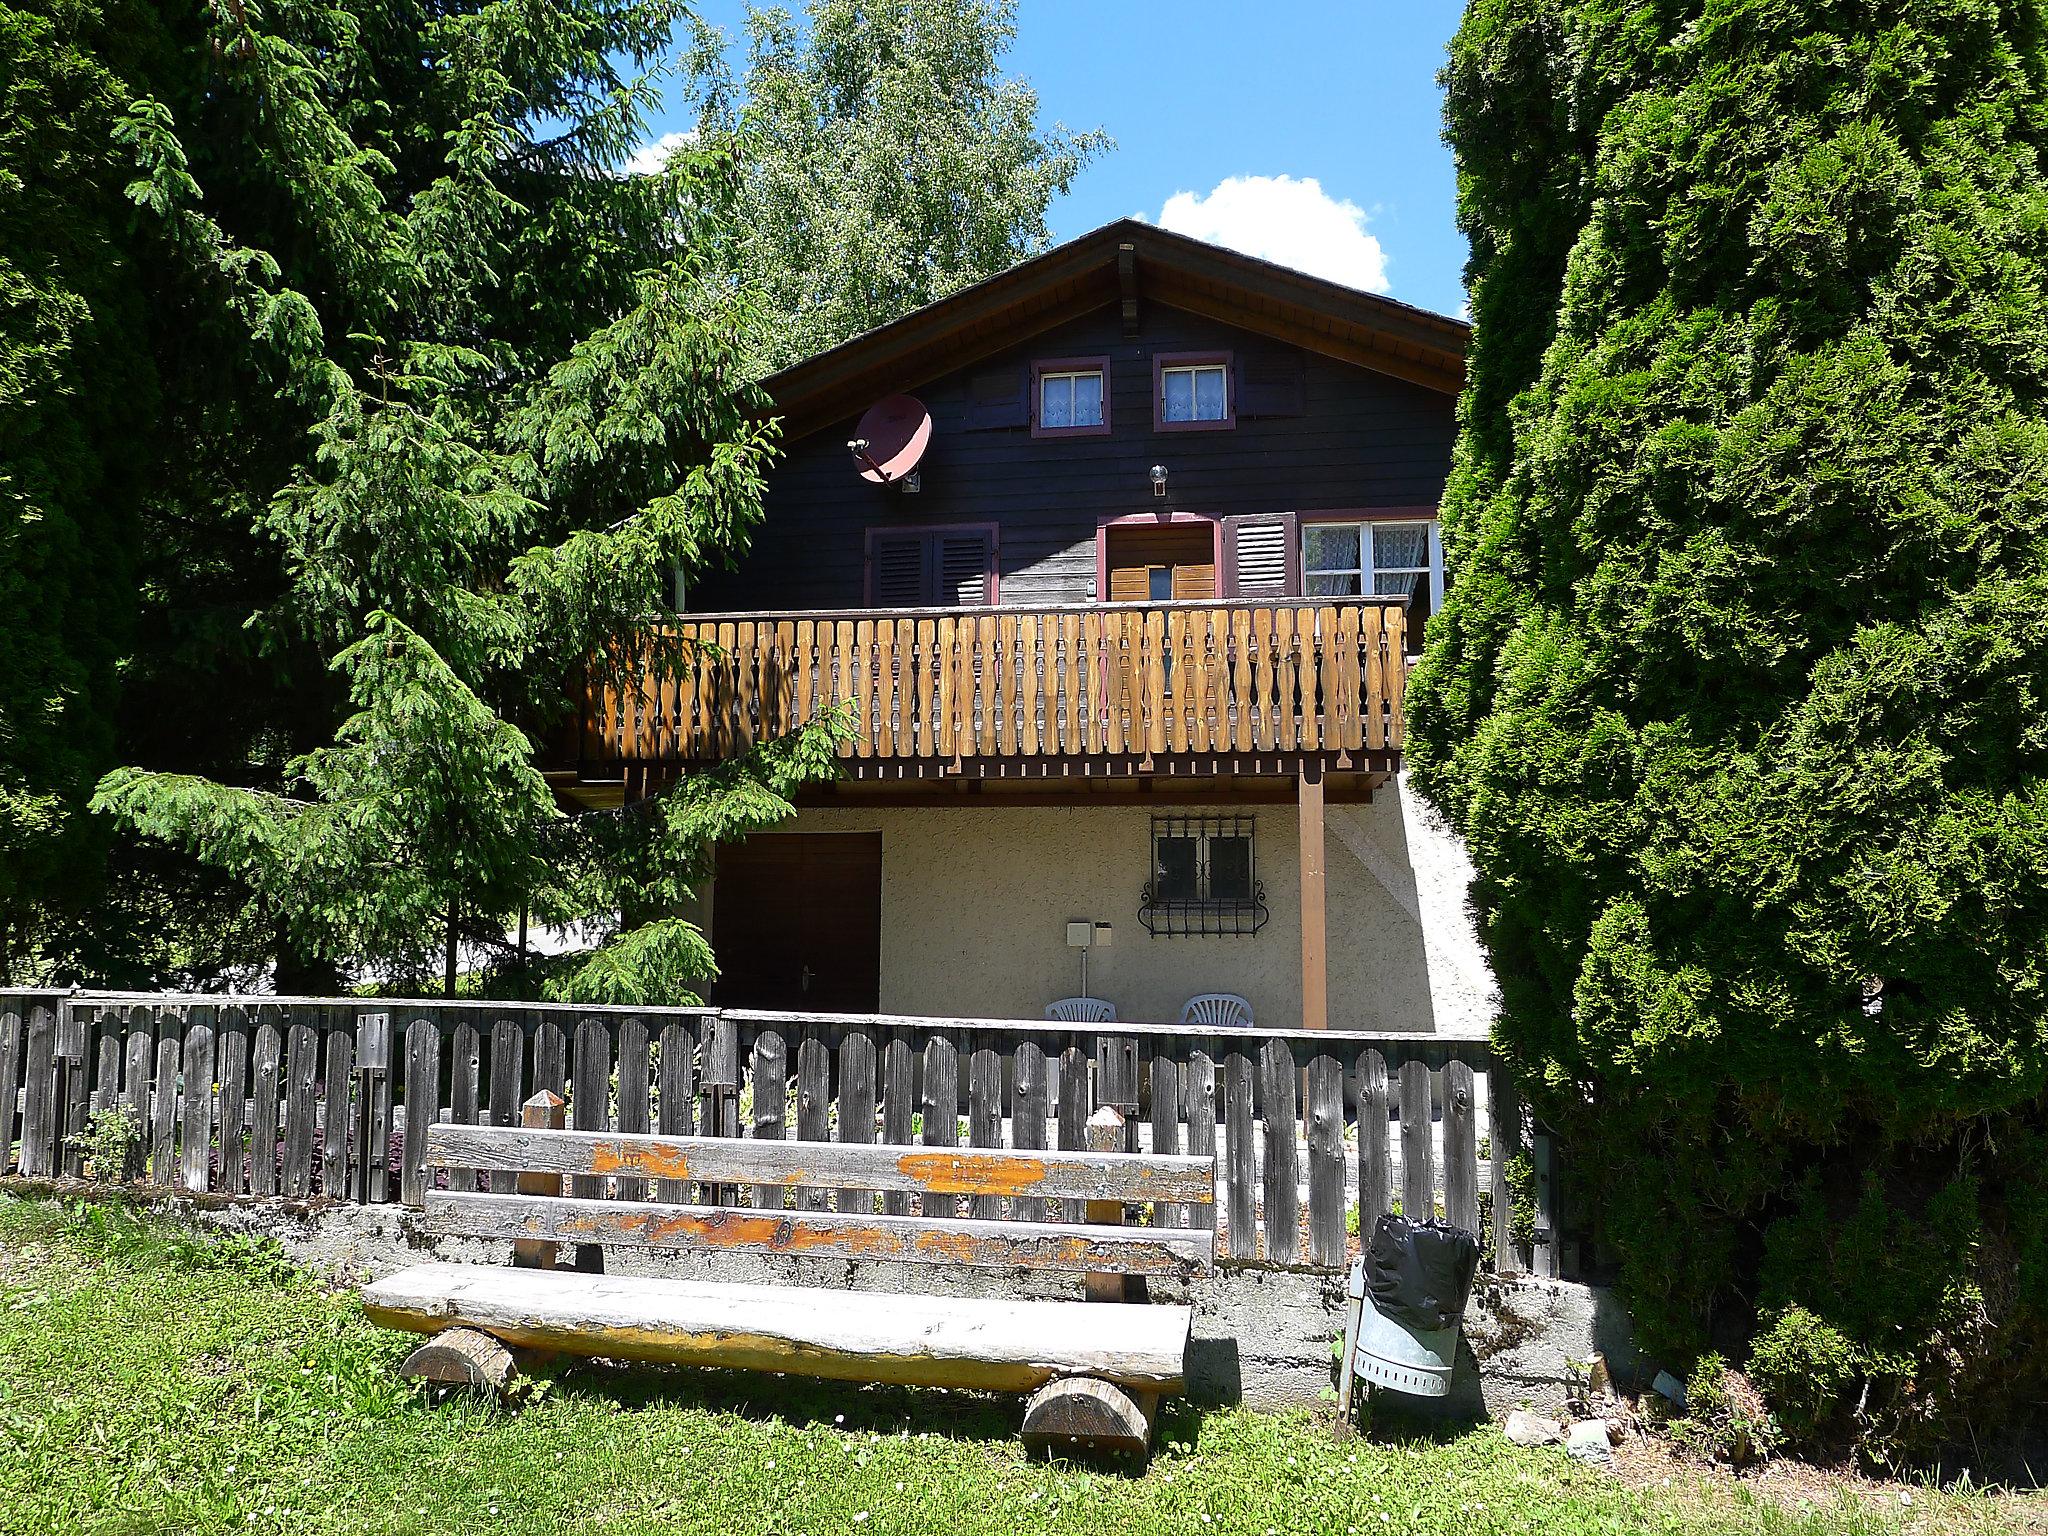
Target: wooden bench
[{"x": 1095, "y": 1367}]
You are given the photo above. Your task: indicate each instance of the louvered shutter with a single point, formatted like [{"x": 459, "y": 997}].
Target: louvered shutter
[
  {"x": 1260, "y": 557},
  {"x": 896, "y": 571},
  {"x": 965, "y": 563}
]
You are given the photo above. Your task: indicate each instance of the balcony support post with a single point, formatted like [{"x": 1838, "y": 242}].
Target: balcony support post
[{"x": 1315, "y": 969}]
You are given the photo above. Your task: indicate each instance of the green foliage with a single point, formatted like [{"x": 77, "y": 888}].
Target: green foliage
[
  {"x": 887, "y": 160},
  {"x": 319, "y": 314},
  {"x": 1736, "y": 693},
  {"x": 109, "y": 1139},
  {"x": 155, "y": 1388},
  {"x": 1807, "y": 1370},
  {"x": 1725, "y": 1419}
]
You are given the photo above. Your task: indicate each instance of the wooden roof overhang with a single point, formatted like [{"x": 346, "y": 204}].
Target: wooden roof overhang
[{"x": 1127, "y": 264}]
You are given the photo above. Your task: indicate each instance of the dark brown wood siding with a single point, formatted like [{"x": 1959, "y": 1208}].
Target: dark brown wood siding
[{"x": 1346, "y": 437}]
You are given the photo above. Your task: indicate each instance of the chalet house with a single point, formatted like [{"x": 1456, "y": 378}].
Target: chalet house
[{"x": 1116, "y": 562}]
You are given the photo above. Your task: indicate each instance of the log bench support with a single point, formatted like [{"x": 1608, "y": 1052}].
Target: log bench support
[{"x": 1086, "y": 1412}]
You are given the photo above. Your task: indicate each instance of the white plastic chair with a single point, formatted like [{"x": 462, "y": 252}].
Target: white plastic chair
[
  {"x": 1217, "y": 1010},
  {"x": 1081, "y": 1010}
]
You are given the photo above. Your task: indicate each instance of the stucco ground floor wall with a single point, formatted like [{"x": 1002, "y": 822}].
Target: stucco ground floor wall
[{"x": 976, "y": 902}]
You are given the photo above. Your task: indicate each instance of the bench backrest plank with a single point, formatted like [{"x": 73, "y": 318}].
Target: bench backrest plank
[
  {"x": 918, "y": 1239},
  {"x": 977, "y": 1171}
]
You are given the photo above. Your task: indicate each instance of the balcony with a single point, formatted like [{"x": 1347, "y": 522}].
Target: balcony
[{"x": 1127, "y": 689}]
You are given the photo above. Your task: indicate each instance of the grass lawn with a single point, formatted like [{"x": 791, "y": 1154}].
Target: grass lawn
[{"x": 152, "y": 1381}]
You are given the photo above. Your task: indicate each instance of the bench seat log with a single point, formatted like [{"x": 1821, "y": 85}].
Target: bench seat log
[
  {"x": 828, "y": 1164},
  {"x": 932, "y": 1240},
  {"x": 905, "y": 1340}
]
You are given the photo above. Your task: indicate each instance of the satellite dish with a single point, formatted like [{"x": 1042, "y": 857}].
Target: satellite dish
[{"x": 890, "y": 439}]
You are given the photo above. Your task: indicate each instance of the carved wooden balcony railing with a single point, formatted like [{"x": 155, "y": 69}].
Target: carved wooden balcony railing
[{"x": 1127, "y": 681}]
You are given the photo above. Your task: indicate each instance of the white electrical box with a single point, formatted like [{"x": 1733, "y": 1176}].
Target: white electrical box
[
  {"x": 1104, "y": 935},
  {"x": 1080, "y": 935}
]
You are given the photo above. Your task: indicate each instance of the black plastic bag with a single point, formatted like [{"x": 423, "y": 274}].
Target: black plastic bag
[{"x": 1419, "y": 1273}]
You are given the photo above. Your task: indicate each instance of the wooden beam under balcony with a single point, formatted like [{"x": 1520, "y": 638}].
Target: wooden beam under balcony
[{"x": 1128, "y": 692}]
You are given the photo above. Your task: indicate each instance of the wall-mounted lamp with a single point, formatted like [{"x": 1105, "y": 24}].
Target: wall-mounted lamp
[{"x": 1158, "y": 479}]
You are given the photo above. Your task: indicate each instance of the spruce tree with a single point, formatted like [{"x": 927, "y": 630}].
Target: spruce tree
[
  {"x": 1737, "y": 694},
  {"x": 419, "y": 403}
]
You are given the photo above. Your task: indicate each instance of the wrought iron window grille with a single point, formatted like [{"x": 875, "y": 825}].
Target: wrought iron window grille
[{"x": 1204, "y": 879}]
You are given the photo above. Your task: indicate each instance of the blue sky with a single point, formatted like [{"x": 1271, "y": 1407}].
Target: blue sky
[{"x": 1222, "y": 111}]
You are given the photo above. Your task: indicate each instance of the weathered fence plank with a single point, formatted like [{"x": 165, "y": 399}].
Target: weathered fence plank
[
  {"x": 634, "y": 1102},
  {"x": 1030, "y": 1109},
  {"x": 163, "y": 1116},
  {"x": 857, "y": 1107},
  {"x": 10, "y": 1080},
  {"x": 1375, "y": 1164},
  {"x": 1241, "y": 1235},
  {"x": 1505, "y": 1133},
  {"x": 1075, "y": 1107},
  {"x": 339, "y": 1123},
  {"x": 1166, "y": 1097},
  {"x": 941, "y": 1113},
  {"x": 74, "y": 1079},
  {"x": 1201, "y": 1097},
  {"x": 1278, "y": 1073},
  {"x": 771, "y": 1104},
  {"x": 39, "y": 1097},
  {"x": 676, "y": 1110},
  {"x": 1461, "y": 1149},
  {"x": 267, "y": 1084},
  {"x": 232, "y": 1051},
  {"x": 302, "y": 1067},
  {"x": 422, "y": 1107},
  {"x": 813, "y": 1108},
  {"x": 196, "y": 1133},
  {"x": 1326, "y": 1244},
  {"x": 590, "y": 1096},
  {"x": 508, "y": 1050},
  {"x": 374, "y": 1155},
  {"x": 465, "y": 1088},
  {"x": 899, "y": 1112},
  {"x": 1418, "y": 1176},
  {"x": 985, "y": 1118}
]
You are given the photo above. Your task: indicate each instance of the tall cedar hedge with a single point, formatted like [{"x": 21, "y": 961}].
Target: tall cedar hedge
[{"x": 1741, "y": 692}]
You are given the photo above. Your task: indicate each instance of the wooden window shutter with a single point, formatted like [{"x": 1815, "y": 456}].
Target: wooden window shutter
[
  {"x": 1130, "y": 583},
  {"x": 966, "y": 564},
  {"x": 1194, "y": 582},
  {"x": 1261, "y": 556},
  {"x": 999, "y": 397},
  {"x": 1272, "y": 383},
  {"x": 896, "y": 575}
]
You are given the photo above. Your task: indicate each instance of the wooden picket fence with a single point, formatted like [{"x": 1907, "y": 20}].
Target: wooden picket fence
[{"x": 329, "y": 1098}]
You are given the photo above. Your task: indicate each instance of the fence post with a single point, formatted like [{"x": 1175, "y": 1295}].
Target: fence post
[
  {"x": 1543, "y": 1154},
  {"x": 545, "y": 1111},
  {"x": 1506, "y": 1114},
  {"x": 1105, "y": 1134}
]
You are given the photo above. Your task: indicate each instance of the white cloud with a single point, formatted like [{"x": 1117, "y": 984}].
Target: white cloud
[
  {"x": 1286, "y": 219},
  {"x": 649, "y": 158}
]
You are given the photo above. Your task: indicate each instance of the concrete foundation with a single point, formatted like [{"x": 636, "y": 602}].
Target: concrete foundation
[{"x": 1263, "y": 1337}]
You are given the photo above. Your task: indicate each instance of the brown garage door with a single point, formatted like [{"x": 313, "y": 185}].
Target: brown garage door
[{"x": 797, "y": 922}]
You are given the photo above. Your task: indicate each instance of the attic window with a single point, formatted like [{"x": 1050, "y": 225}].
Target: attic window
[
  {"x": 1070, "y": 397},
  {"x": 1192, "y": 392}
]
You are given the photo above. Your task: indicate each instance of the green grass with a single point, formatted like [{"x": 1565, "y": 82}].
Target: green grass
[{"x": 154, "y": 1381}]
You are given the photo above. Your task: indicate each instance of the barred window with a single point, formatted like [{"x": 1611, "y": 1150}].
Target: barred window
[{"x": 1204, "y": 878}]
